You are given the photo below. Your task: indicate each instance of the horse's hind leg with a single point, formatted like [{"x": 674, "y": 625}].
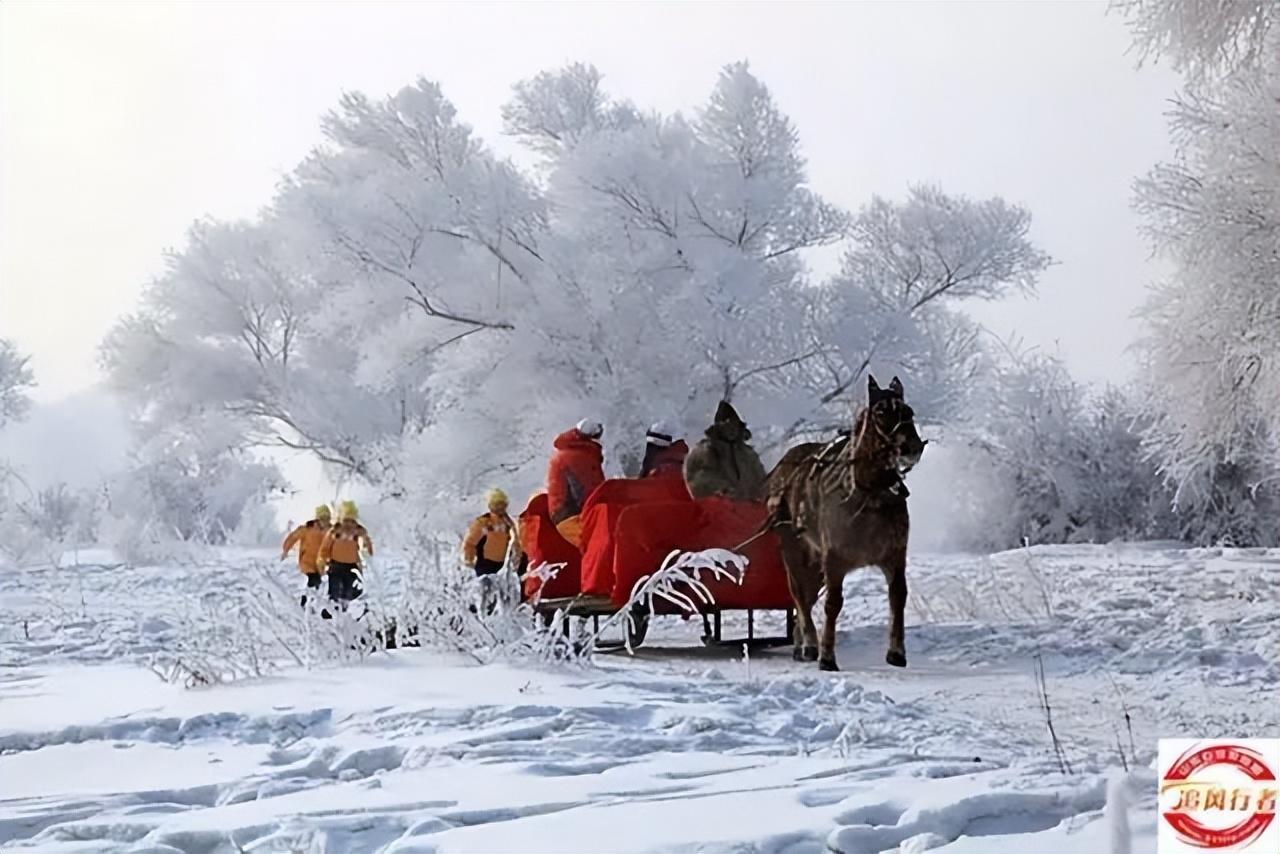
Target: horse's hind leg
[
  {"x": 835, "y": 601},
  {"x": 803, "y": 582},
  {"x": 895, "y": 573}
]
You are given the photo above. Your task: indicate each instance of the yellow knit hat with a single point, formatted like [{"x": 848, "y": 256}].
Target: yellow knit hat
[
  {"x": 496, "y": 497},
  {"x": 322, "y": 511},
  {"x": 347, "y": 510}
]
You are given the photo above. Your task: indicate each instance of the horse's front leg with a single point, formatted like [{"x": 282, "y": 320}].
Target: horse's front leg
[
  {"x": 835, "y": 601},
  {"x": 895, "y": 573}
]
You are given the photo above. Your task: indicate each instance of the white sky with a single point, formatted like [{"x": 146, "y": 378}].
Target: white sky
[{"x": 120, "y": 124}]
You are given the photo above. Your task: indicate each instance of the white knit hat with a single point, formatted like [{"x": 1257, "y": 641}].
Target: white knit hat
[
  {"x": 661, "y": 435},
  {"x": 590, "y": 429}
]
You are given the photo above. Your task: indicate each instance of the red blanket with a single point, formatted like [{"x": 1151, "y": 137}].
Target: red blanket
[
  {"x": 545, "y": 545},
  {"x": 600, "y": 519}
]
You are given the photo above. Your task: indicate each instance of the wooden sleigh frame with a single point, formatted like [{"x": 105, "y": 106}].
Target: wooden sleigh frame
[{"x": 637, "y": 628}]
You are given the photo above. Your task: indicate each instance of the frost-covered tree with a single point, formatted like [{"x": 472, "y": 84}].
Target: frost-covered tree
[
  {"x": 1123, "y": 493},
  {"x": 188, "y": 482},
  {"x": 424, "y": 317},
  {"x": 220, "y": 330},
  {"x": 210, "y": 367},
  {"x": 16, "y": 379},
  {"x": 1037, "y": 457},
  {"x": 38, "y": 522},
  {"x": 1213, "y": 329},
  {"x": 668, "y": 276},
  {"x": 1211, "y": 345},
  {"x": 1028, "y": 420},
  {"x": 320, "y": 326},
  {"x": 55, "y": 511},
  {"x": 894, "y": 304},
  {"x": 41, "y": 524},
  {"x": 428, "y": 251},
  {"x": 678, "y": 277}
]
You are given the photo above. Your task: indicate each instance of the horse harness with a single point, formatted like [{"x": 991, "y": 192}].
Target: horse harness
[
  {"x": 831, "y": 467},
  {"x": 831, "y": 470}
]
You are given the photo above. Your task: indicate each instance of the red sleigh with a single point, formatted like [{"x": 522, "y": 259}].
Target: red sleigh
[{"x": 629, "y": 528}]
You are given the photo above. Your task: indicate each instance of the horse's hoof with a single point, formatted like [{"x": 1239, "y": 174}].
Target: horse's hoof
[
  {"x": 796, "y": 654},
  {"x": 828, "y": 664},
  {"x": 810, "y": 653},
  {"x": 896, "y": 658}
]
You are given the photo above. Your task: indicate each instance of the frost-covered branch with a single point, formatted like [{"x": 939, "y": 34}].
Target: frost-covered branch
[{"x": 1201, "y": 37}]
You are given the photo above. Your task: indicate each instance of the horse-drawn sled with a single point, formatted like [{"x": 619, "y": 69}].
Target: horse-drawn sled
[
  {"x": 630, "y": 528},
  {"x": 830, "y": 508}
]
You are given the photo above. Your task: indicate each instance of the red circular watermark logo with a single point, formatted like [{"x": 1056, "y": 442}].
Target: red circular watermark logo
[{"x": 1219, "y": 796}]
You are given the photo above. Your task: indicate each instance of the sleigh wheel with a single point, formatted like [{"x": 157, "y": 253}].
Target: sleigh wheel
[{"x": 636, "y": 626}]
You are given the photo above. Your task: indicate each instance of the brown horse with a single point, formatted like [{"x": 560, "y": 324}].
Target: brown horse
[{"x": 841, "y": 506}]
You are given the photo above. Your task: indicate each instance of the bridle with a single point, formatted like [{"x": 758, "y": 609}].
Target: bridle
[{"x": 897, "y": 489}]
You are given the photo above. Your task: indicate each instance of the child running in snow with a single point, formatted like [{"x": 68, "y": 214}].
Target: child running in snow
[
  {"x": 340, "y": 553},
  {"x": 308, "y": 538},
  {"x": 490, "y": 535}
]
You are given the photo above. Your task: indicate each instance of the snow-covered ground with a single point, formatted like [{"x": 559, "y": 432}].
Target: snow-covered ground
[{"x": 680, "y": 748}]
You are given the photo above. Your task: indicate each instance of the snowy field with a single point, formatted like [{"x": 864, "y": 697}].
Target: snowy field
[{"x": 680, "y": 748}]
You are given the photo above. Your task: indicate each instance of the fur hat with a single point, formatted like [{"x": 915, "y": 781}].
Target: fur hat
[
  {"x": 589, "y": 428},
  {"x": 728, "y": 424},
  {"x": 726, "y": 414},
  {"x": 660, "y": 434},
  {"x": 322, "y": 511},
  {"x": 496, "y": 498}
]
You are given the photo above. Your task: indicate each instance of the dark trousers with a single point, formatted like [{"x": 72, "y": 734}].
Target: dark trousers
[
  {"x": 343, "y": 585},
  {"x": 484, "y": 566},
  {"x": 314, "y": 580}
]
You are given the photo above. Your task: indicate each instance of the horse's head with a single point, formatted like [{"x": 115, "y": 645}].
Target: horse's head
[{"x": 895, "y": 422}]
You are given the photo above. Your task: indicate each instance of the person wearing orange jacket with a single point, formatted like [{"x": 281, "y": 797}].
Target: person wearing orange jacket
[
  {"x": 340, "y": 553},
  {"x": 307, "y": 538},
  {"x": 663, "y": 453},
  {"x": 490, "y": 536},
  {"x": 577, "y": 468}
]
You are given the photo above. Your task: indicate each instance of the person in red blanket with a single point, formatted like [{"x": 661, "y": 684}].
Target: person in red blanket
[
  {"x": 577, "y": 468},
  {"x": 663, "y": 453}
]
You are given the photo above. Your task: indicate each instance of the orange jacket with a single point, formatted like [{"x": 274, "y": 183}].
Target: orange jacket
[
  {"x": 342, "y": 544},
  {"x": 307, "y": 538},
  {"x": 494, "y": 531},
  {"x": 661, "y": 462},
  {"x": 577, "y": 468}
]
